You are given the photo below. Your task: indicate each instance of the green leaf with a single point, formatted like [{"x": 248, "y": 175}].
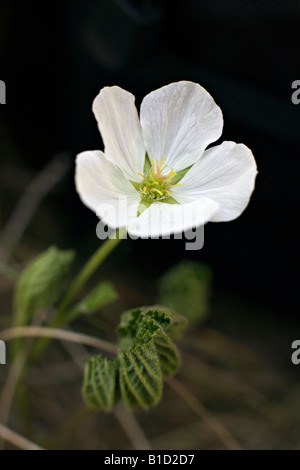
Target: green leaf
[
  {"x": 187, "y": 289},
  {"x": 128, "y": 327},
  {"x": 100, "y": 388},
  {"x": 173, "y": 323},
  {"x": 41, "y": 283},
  {"x": 147, "y": 329},
  {"x": 146, "y": 355},
  {"x": 168, "y": 354},
  {"x": 134, "y": 322},
  {"x": 100, "y": 296},
  {"x": 140, "y": 376}
]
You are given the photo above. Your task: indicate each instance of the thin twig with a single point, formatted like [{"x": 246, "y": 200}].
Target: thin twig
[
  {"x": 17, "y": 440},
  {"x": 132, "y": 428},
  {"x": 9, "y": 388},
  {"x": 225, "y": 436},
  {"x": 29, "y": 201},
  {"x": 64, "y": 335}
]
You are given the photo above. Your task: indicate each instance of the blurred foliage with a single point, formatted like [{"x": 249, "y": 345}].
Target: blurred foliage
[
  {"x": 187, "y": 288},
  {"x": 41, "y": 283},
  {"x": 103, "y": 294}
]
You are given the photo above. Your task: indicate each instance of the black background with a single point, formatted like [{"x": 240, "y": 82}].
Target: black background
[{"x": 56, "y": 56}]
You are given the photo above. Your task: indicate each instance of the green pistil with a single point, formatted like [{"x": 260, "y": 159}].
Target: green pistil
[
  {"x": 156, "y": 185},
  {"x": 154, "y": 191}
]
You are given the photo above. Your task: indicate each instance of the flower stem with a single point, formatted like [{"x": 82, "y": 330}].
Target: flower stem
[
  {"x": 60, "y": 319},
  {"x": 89, "y": 268}
]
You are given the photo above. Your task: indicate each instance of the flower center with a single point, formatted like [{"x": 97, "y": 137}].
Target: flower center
[{"x": 156, "y": 186}]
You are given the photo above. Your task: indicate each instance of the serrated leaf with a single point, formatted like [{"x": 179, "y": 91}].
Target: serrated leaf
[
  {"x": 140, "y": 376},
  {"x": 132, "y": 322},
  {"x": 153, "y": 328},
  {"x": 128, "y": 327},
  {"x": 146, "y": 355},
  {"x": 187, "y": 289},
  {"x": 173, "y": 323},
  {"x": 41, "y": 283},
  {"x": 100, "y": 389},
  {"x": 168, "y": 354},
  {"x": 146, "y": 330}
]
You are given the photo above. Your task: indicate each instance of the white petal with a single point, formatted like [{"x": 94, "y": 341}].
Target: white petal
[
  {"x": 103, "y": 188},
  {"x": 120, "y": 129},
  {"x": 226, "y": 173},
  {"x": 164, "y": 219},
  {"x": 178, "y": 122}
]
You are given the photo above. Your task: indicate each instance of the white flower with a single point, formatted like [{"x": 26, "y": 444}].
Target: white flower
[{"x": 156, "y": 176}]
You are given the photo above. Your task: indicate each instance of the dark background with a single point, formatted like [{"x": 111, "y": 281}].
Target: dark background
[{"x": 56, "y": 56}]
